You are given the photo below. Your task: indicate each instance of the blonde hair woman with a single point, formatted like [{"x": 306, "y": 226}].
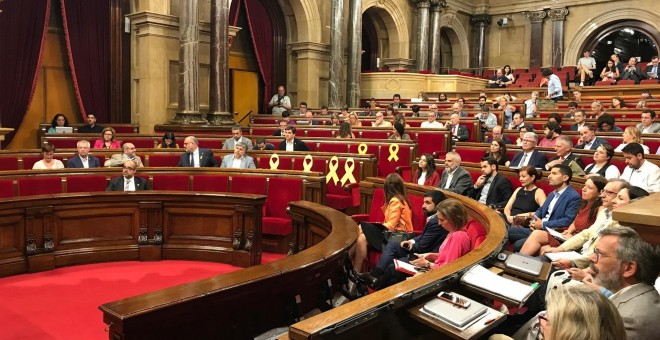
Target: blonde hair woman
[
  {"x": 353, "y": 119},
  {"x": 632, "y": 135}
]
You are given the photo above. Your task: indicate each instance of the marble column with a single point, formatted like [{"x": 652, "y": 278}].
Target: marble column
[
  {"x": 219, "y": 74},
  {"x": 422, "y": 33},
  {"x": 536, "y": 44},
  {"x": 434, "y": 36},
  {"x": 354, "y": 53},
  {"x": 188, "y": 111},
  {"x": 481, "y": 22},
  {"x": 558, "y": 16},
  {"x": 336, "y": 54}
]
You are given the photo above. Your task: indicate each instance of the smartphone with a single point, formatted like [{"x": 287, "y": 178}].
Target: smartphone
[{"x": 455, "y": 300}]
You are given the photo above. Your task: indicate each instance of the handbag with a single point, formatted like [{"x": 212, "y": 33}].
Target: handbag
[{"x": 397, "y": 236}]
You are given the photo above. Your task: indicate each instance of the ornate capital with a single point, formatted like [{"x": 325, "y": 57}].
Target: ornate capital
[
  {"x": 536, "y": 16},
  {"x": 438, "y": 5},
  {"x": 481, "y": 19},
  {"x": 558, "y": 14},
  {"x": 422, "y": 3}
]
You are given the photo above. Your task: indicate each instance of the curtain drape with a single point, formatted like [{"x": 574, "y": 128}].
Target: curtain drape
[
  {"x": 23, "y": 26},
  {"x": 261, "y": 32},
  {"x": 87, "y": 33}
]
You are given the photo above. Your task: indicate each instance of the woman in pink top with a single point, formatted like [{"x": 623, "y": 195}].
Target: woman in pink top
[{"x": 107, "y": 140}]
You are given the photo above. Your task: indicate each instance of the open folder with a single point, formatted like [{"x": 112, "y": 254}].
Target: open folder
[{"x": 483, "y": 279}]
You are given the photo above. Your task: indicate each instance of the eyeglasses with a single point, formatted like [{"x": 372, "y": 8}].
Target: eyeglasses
[
  {"x": 128, "y": 168},
  {"x": 597, "y": 254},
  {"x": 527, "y": 141},
  {"x": 607, "y": 192}
]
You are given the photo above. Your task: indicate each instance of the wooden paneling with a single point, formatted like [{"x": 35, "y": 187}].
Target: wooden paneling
[{"x": 245, "y": 94}]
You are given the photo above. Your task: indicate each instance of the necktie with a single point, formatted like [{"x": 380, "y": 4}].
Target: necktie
[
  {"x": 190, "y": 160},
  {"x": 655, "y": 69},
  {"x": 522, "y": 160},
  {"x": 127, "y": 186},
  {"x": 455, "y": 130}
]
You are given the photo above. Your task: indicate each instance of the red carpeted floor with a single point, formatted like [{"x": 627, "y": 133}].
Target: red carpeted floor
[{"x": 63, "y": 303}]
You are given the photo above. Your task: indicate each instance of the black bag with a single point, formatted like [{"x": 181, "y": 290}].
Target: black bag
[{"x": 397, "y": 236}]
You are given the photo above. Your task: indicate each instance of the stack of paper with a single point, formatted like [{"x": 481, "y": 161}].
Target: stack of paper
[
  {"x": 569, "y": 255},
  {"x": 556, "y": 234},
  {"x": 482, "y": 278}
]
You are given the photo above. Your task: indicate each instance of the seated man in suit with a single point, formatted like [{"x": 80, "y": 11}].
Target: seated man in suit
[
  {"x": 454, "y": 178},
  {"x": 648, "y": 124},
  {"x": 128, "y": 155},
  {"x": 517, "y": 121},
  {"x": 578, "y": 117},
  {"x": 633, "y": 72},
  {"x": 429, "y": 241},
  {"x": 497, "y": 134},
  {"x": 237, "y": 136},
  {"x": 238, "y": 160},
  {"x": 280, "y": 132},
  {"x": 558, "y": 210},
  {"x": 458, "y": 132},
  {"x": 91, "y": 126},
  {"x": 491, "y": 188},
  {"x": 196, "y": 157},
  {"x": 565, "y": 156},
  {"x": 588, "y": 139},
  {"x": 128, "y": 181},
  {"x": 83, "y": 159},
  {"x": 262, "y": 145},
  {"x": 529, "y": 155},
  {"x": 290, "y": 142},
  {"x": 653, "y": 67}
]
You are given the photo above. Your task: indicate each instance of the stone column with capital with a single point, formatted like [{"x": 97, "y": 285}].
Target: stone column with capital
[
  {"x": 336, "y": 54},
  {"x": 481, "y": 23},
  {"x": 434, "y": 36},
  {"x": 219, "y": 74},
  {"x": 422, "y": 33},
  {"x": 536, "y": 44},
  {"x": 558, "y": 16},
  {"x": 188, "y": 111},
  {"x": 354, "y": 53}
]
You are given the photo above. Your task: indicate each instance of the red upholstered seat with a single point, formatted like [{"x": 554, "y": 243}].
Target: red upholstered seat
[
  {"x": 210, "y": 183},
  {"x": 626, "y": 82},
  {"x": 477, "y": 233},
  {"x": 276, "y": 221},
  {"x": 374, "y": 134},
  {"x": 387, "y": 165},
  {"x": 171, "y": 182},
  {"x": 262, "y": 131},
  {"x": 649, "y": 82},
  {"x": 210, "y": 143},
  {"x": 122, "y": 128},
  {"x": 336, "y": 196},
  {"x": 602, "y": 83},
  {"x": 320, "y": 133},
  {"x": 163, "y": 160},
  {"x": 545, "y": 186},
  {"x": 6, "y": 188},
  {"x": 418, "y": 217},
  {"x": 30, "y": 186},
  {"x": 86, "y": 183},
  {"x": 284, "y": 164},
  {"x": 431, "y": 142},
  {"x": 8, "y": 163},
  {"x": 248, "y": 185},
  {"x": 471, "y": 155},
  {"x": 318, "y": 165},
  {"x": 372, "y": 149},
  {"x": 333, "y": 147},
  {"x": 64, "y": 143}
]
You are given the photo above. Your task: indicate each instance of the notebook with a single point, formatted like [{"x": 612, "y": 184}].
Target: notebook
[
  {"x": 455, "y": 315},
  {"x": 570, "y": 255},
  {"x": 405, "y": 267},
  {"x": 556, "y": 234},
  {"x": 483, "y": 279},
  {"x": 63, "y": 129},
  {"x": 524, "y": 264}
]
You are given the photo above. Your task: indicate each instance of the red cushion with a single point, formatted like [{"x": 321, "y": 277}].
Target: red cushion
[
  {"x": 333, "y": 147},
  {"x": 472, "y": 155},
  {"x": 477, "y": 233},
  {"x": 374, "y": 134},
  {"x": 156, "y": 160},
  {"x": 85, "y": 183},
  {"x": 8, "y": 163},
  {"x": 377, "y": 202},
  {"x": 170, "y": 182},
  {"x": 626, "y": 82},
  {"x": 123, "y": 129},
  {"x": 339, "y": 202},
  {"x": 142, "y": 143},
  {"x": 318, "y": 165},
  {"x": 372, "y": 149},
  {"x": 431, "y": 141},
  {"x": 281, "y": 191},
  {"x": 418, "y": 217},
  {"x": 63, "y": 143},
  {"x": 276, "y": 226},
  {"x": 210, "y": 183},
  {"x": 386, "y": 165},
  {"x": 284, "y": 164},
  {"x": 6, "y": 188},
  {"x": 210, "y": 143},
  {"x": 29, "y": 186},
  {"x": 320, "y": 133},
  {"x": 248, "y": 184}
]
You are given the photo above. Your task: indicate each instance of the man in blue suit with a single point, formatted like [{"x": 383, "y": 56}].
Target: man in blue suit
[
  {"x": 83, "y": 159},
  {"x": 588, "y": 139},
  {"x": 429, "y": 241},
  {"x": 559, "y": 209},
  {"x": 528, "y": 155}
]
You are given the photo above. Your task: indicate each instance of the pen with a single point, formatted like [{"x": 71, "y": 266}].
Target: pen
[
  {"x": 489, "y": 321},
  {"x": 563, "y": 265}
]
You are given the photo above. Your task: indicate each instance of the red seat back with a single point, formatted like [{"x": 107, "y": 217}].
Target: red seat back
[
  {"x": 86, "y": 183},
  {"x": 418, "y": 217},
  {"x": 320, "y": 133},
  {"x": 281, "y": 191},
  {"x": 337, "y": 188},
  {"x": 64, "y": 143},
  {"x": 372, "y": 149},
  {"x": 318, "y": 165},
  {"x": 142, "y": 143},
  {"x": 472, "y": 155},
  {"x": 8, "y": 163},
  {"x": 210, "y": 143},
  {"x": 333, "y": 147},
  {"x": 156, "y": 160},
  {"x": 430, "y": 142},
  {"x": 626, "y": 82},
  {"x": 284, "y": 164},
  {"x": 171, "y": 182},
  {"x": 477, "y": 233},
  {"x": 6, "y": 188},
  {"x": 29, "y": 186},
  {"x": 210, "y": 183},
  {"x": 377, "y": 202},
  {"x": 248, "y": 185},
  {"x": 387, "y": 165}
]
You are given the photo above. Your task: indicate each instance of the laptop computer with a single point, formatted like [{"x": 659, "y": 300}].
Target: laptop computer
[
  {"x": 452, "y": 314},
  {"x": 525, "y": 264},
  {"x": 64, "y": 129}
]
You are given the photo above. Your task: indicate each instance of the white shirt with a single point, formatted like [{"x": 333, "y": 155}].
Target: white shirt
[
  {"x": 623, "y": 145},
  {"x": 289, "y": 145},
  {"x": 433, "y": 124},
  {"x": 551, "y": 207},
  {"x": 611, "y": 172},
  {"x": 450, "y": 175},
  {"x": 589, "y": 62},
  {"x": 195, "y": 158},
  {"x": 236, "y": 164},
  {"x": 85, "y": 161},
  {"x": 40, "y": 165},
  {"x": 646, "y": 177},
  {"x": 129, "y": 184}
]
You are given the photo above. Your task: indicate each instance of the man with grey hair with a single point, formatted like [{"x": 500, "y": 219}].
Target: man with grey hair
[
  {"x": 454, "y": 178},
  {"x": 195, "y": 156},
  {"x": 128, "y": 155},
  {"x": 238, "y": 160},
  {"x": 83, "y": 159},
  {"x": 237, "y": 136},
  {"x": 564, "y": 155},
  {"x": 529, "y": 155}
]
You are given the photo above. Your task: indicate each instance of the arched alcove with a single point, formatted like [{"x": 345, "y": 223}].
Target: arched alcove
[{"x": 391, "y": 17}]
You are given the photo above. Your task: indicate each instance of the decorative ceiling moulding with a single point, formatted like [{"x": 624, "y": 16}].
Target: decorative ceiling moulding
[
  {"x": 149, "y": 23},
  {"x": 506, "y": 7}
]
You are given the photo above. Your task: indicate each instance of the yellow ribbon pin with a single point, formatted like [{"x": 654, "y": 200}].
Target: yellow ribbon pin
[
  {"x": 362, "y": 149},
  {"x": 274, "y": 161},
  {"x": 348, "y": 176},
  {"x": 307, "y": 163},
  {"x": 394, "y": 150},
  {"x": 332, "y": 175}
]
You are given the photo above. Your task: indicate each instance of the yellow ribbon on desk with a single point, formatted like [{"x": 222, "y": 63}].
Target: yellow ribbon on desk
[
  {"x": 333, "y": 166},
  {"x": 274, "y": 161},
  {"x": 362, "y": 149},
  {"x": 348, "y": 176},
  {"x": 394, "y": 151},
  {"x": 307, "y": 163}
]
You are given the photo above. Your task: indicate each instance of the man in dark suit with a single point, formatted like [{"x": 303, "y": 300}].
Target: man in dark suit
[
  {"x": 528, "y": 155},
  {"x": 653, "y": 67},
  {"x": 588, "y": 139},
  {"x": 497, "y": 134},
  {"x": 261, "y": 144},
  {"x": 564, "y": 155},
  {"x": 558, "y": 211},
  {"x": 499, "y": 80},
  {"x": 91, "y": 126},
  {"x": 458, "y": 132},
  {"x": 396, "y": 102},
  {"x": 195, "y": 156},
  {"x": 280, "y": 132},
  {"x": 579, "y": 117},
  {"x": 428, "y": 242},
  {"x": 633, "y": 72},
  {"x": 290, "y": 142},
  {"x": 454, "y": 178},
  {"x": 128, "y": 181},
  {"x": 491, "y": 188},
  {"x": 83, "y": 159}
]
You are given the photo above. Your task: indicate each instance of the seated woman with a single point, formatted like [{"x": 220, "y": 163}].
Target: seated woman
[
  {"x": 610, "y": 72},
  {"x": 353, "y": 120},
  {"x": 425, "y": 173},
  {"x": 452, "y": 216},
  {"x": 423, "y": 96},
  {"x": 618, "y": 103},
  {"x": 286, "y": 116},
  {"x": 632, "y": 135},
  {"x": 398, "y": 217},
  {"x": 507, "y": 110},
  {"x": 526, "y": 199},
  {"x": 58, "y": 120},
  {"x": 107, "y": 140},
  {"x": 168, "y": 141},
  {"x": 400, "y": 118},
  {"x": 48, "y": 163},
  {"x": 508, "y": 72},
  {"x": 586, "y": 216},
  {"x": 497, "y": 151},
  {"x": 344, "y": 112},
  {"x": 334, "y": 120},
  {"x": 345, "y": 131},
  {"x": 601, "y": 165},
  {"x": 442, "y": 98},
  {"x": 399, "y": 132}
]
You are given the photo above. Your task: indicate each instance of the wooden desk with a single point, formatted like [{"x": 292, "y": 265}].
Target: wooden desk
[{"x": 642, "y": 216}]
